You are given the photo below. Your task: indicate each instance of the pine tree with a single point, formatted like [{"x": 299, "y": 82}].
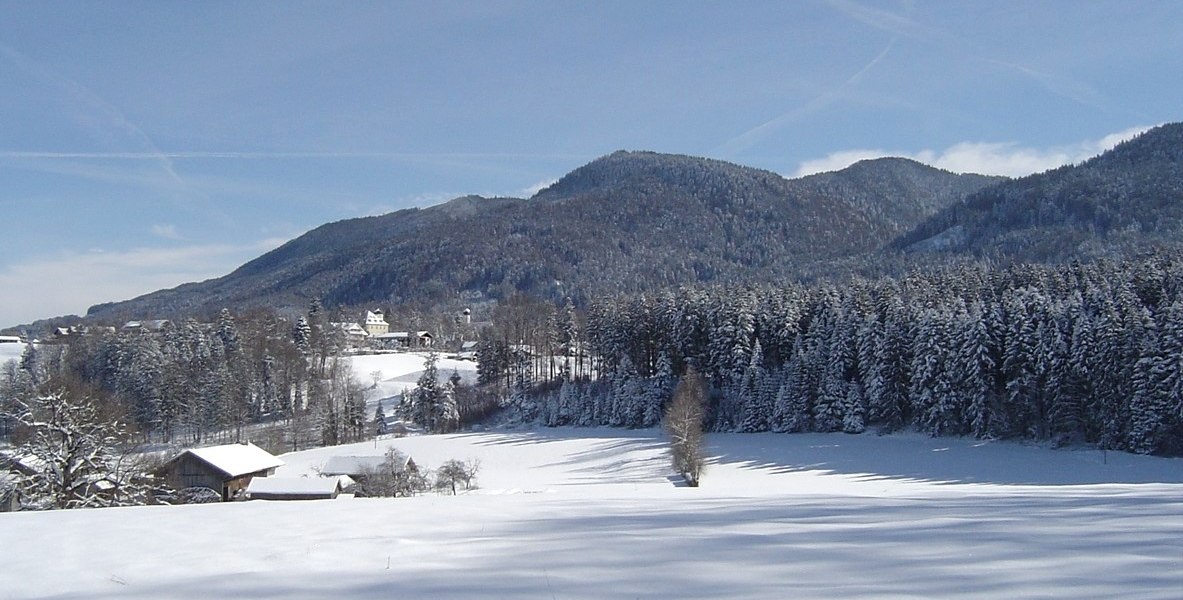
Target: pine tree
[
  {"x": 853, "y": 411},
  {"x": 425, "y": 399},
  {"x": 755, "y": 406},
  {"x": 380, "y": 426}
]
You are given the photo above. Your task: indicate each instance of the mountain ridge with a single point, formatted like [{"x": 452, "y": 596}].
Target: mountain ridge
[{"x": 633, "y": 221}]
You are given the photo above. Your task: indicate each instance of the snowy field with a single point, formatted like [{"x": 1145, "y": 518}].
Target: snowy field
[
  {"x": 594, "y": 513},
  {"x": 397, "y": 372},
  {"x": 571, "y": 513}
]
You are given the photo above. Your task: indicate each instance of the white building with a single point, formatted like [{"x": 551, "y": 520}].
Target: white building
[{"x": 376, "y": 323}]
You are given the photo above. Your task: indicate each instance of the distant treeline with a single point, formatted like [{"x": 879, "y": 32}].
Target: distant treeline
[{"x": 1079, "y": 353}]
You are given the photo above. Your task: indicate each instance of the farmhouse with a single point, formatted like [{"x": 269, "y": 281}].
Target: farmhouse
[
  {"x": 153, "y": 326},
  {"x": 468, "y": 350},
  {"x": 368, "y": 475},
  {"x": 293, "y": 488},
  {"x": 355, "y": 334},
  {"x": 357, "y": 467},
  {"x": 403, "y": 339},
  {"x": 227, "y": 469}
]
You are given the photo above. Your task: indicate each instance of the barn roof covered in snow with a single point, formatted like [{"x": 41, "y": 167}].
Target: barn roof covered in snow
[
  {"x": 293, "y": 486},
  {"x": 351, "y": 465},
  {"x": 235, "y": 460}
]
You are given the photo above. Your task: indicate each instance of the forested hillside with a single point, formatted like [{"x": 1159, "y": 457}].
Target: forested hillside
[
  {"x": 1126, "y": 200},
  {"x": 630, "y": 221}
]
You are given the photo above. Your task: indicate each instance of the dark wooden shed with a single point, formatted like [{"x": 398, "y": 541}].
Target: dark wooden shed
[{"x": 226, "y": 469}]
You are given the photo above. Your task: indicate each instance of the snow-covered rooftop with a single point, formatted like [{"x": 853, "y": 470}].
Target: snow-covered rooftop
[
  {"x": 237, "y": 459},
  {"x": 293, "y": 486},
  {"x": 351, "y": 465}
]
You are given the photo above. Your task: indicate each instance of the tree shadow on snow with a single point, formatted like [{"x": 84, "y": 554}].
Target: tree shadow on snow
[{"x": 943, "y": 460}]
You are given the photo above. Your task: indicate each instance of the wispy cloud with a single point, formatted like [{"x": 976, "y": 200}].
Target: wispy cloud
[
  {"x": 903, "y": 26},
  {"x": 33, "y": 154},
  {"x": 987, "y": 158},
  {"x": 894, "y": 23},
  {"x": 537, "y": 187},
  {"x": 69, "y": 283},
  {"x": 168, "y": 232},
  {"x": 758, "y": 133},
  {"x": 99, "y": 115},
  {"x": 1059, "y": 85}
]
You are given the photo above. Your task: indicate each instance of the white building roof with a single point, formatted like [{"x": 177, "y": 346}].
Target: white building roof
[
  {"x": 393, "y": 335},
  {"x": 351, "y": 465},
  {"x": 352, "y": 329},
  {"x": 237, "y": 459},
  {"x": 293, "y": 486}
]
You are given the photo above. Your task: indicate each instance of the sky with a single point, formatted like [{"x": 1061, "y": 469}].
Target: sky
[{"x": 148, "y": 144}]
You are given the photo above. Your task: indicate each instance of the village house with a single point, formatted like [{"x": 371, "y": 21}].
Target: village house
[
  {"x": 75, "y": 331},
  {"x": 355, "y": 334},
  {"x": 153, "y": 326},
  {"x": 403, "y": 340},
  {"x": 467, "y": 351},
  {"x": 358, "y": 468},
  {"x": 226, "y": 469},
  {"x": 376, "y": 323}
]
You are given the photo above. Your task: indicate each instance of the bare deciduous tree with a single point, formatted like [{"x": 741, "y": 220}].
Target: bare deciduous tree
[
  {"x": 80, "y": 458},
  {"x": 456, "y": 471},
  {"x": 683, "y": 423},
  {"x": 397, "y": 476}
]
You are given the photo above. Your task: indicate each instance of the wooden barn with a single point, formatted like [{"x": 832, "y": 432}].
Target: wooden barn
[
  {"x": 293, "y": 488},
  {"x": 226, "y": 469}
]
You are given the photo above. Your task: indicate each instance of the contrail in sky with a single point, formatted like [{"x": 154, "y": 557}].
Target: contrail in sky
[
  {"x": 752, "y": 136},
  {"x": 95, "y": 105}
]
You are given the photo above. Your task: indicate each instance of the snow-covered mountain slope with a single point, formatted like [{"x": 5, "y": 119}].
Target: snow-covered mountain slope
[{"x": 594, "y": 514}]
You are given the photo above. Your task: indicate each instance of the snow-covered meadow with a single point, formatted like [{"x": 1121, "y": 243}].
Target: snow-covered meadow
[
  {"x": 594, "y": 513},
  {"x": 391, "y": 374},
  {"x": 572, "y": 513}
]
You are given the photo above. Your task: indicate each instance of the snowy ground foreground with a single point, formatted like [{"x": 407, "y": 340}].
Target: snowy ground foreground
[
  {"x": 399, "y": 372},
  {"x": 593, "y": 513}
]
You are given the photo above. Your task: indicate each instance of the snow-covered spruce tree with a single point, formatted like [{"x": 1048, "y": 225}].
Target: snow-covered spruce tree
[
  {"x": 1155, "y": 407},
  {"x": 78, "y": 455},
  {"x": 380, "y": 427},
  {"x": 658, "y": 388},
  {"x": 853, "y": 410},
  {"x": 755, "y": 404},
  {"x": 975, "y": 383},
  {"x": 425, "y": 399},
  {"x": 683, "y": 423},
  {"x": 448, "y": 413}
]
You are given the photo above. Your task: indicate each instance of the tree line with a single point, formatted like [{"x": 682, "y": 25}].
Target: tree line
[
  {"x": 207, "y": 382},
  {"x": 1077, "y": 353}
]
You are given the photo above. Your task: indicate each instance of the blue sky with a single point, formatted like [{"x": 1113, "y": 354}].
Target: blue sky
[{"x": 145, "y": 144}]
